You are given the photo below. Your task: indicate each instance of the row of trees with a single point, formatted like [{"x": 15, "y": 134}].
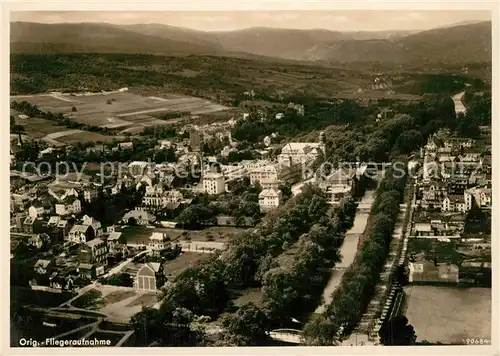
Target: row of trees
[
  {"x": 359, "y": 281},
  {"x": 205, "y": 289},
  {"x": 60, "y": 120},
  {"x": 292, "y": 282}
]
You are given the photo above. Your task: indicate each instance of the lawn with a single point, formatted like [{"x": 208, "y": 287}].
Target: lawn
[
  {"x": 136, "y": 234},
  {"x": 183, "y": 262},
  {"x": 253, "y": 295},
  {"x": 448, "y": 314}
]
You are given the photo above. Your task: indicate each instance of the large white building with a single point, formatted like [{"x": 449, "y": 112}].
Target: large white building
[
  {"x": 265, "y": 173},
  {"x": 214, "y": 183},
  {"x": 270, "y": 199}
]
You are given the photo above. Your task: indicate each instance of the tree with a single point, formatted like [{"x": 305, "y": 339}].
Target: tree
[
  {"x": 132, "y": 221},
  {"x": 398, "y": 332},
  {"x": 122, "y": 279},
  {"x": 73, "y": 109},
  {"x": 320, "y": 332},
  {"x": 246, "y": 327}
]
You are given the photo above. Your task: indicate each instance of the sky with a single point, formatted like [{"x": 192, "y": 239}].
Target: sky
[{"x": 338, "y": 20}]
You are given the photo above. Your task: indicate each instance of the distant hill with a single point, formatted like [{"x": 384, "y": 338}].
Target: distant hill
[
  {"x": 461, "y": 44},
  {"x": 450, "y": 45},
  {"x": 95, "y": 37}
]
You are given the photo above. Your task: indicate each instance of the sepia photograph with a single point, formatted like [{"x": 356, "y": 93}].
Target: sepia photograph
[{"x": 273, "y": 178}]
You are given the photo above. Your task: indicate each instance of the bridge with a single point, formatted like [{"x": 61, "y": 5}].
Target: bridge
[{"x": 292, "y": 336}]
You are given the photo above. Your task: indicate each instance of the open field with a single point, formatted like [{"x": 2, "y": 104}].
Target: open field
[
  {"x": 183, "y": 262},
  {"x": 119, "y": 303},
  {"x": 448, "y": 314},
  {"x": 119, "y": 110},
  {"x": 138, "y": 235}
]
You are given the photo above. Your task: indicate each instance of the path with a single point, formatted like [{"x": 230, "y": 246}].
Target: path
[
  {"x": 348, "y": 249},
  {"x": 297, "y": 187},
  {"x": 366, "y": 332}
]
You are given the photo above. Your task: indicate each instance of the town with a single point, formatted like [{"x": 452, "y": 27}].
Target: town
[{"x": 163, "y": 218}]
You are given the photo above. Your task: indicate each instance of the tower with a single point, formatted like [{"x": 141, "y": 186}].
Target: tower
[{"x": 322, "y": 141}]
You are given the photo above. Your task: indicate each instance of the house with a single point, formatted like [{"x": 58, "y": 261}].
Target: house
[
  {"x": 94, "y": 252},
  {"x": 113, "y": 239},
  {"x": 297, "y": 107},
  {"x": 481, "y": 195},
  {"x": 71, "y": 205},
  {"x": 214, "y": 183},
  {"x": 423, "y": 228},
  {"x": 81, "y": 233},
  {"x": 270, "y": 199},
  {"x": 90, "y": 195},
  {"x": 124, "y": 145},
  {"x": 47, "y": 151},
  {"x": 454, "y": 203},
  {"x": 39, "y": 240},
  {"x": 36, "y": 211},
  {"x": 90, "y": 271},
  {"x": 279, "y": 116},
  {"x": 33, "y": 225},
  {"x": 96, "y": 225},
  {"x": 165, "y": 144},
  {"x": 63, "y": 227},
  {"x": 158, "y": 241},
  {"x": 42, "y": 267},
  {"x": 61, "y": 194},
  {"x": 138, "y": 216},
  {"x": 269, "y": 172}
]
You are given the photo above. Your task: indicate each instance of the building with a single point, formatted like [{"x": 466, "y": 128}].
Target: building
[
  {"x": 89, "y": 195},
  {"x": 270, "y": 183},
  {"x": 214, "y": 183},
  {"x": 266, "y": 173},
  {"x": 94, "y": 252},
  {"x": 36, "y": 211},
  {"x": 454, "y": 203},
  {"x": 113, "y": 238},
  {"x": 139, "y": 216},
  {"x": 96, "y": 225},
  {"x": 158, "y": 241},
  {"x": 81, "y": 233},
  {"x": 137, "y": 168},
  {"x": 270, "y": 199},
  {"x": 42, "y": 267},
  {"x": 71, "y": 205},
  {"x": 147, "y": 276},
  {"x": 300, "y": 152}
]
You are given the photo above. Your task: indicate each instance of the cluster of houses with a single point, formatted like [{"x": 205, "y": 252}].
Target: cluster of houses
[{"x": 455, "y": 178}]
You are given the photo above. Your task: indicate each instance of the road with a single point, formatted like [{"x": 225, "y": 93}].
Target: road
[
  {"x": 119, "y": 267},
  {"x": 348, "y": 249},
  {"x": 297, "y": 188}
]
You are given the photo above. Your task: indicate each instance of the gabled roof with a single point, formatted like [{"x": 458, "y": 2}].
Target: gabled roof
[{"x": 42, "y": 263}]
